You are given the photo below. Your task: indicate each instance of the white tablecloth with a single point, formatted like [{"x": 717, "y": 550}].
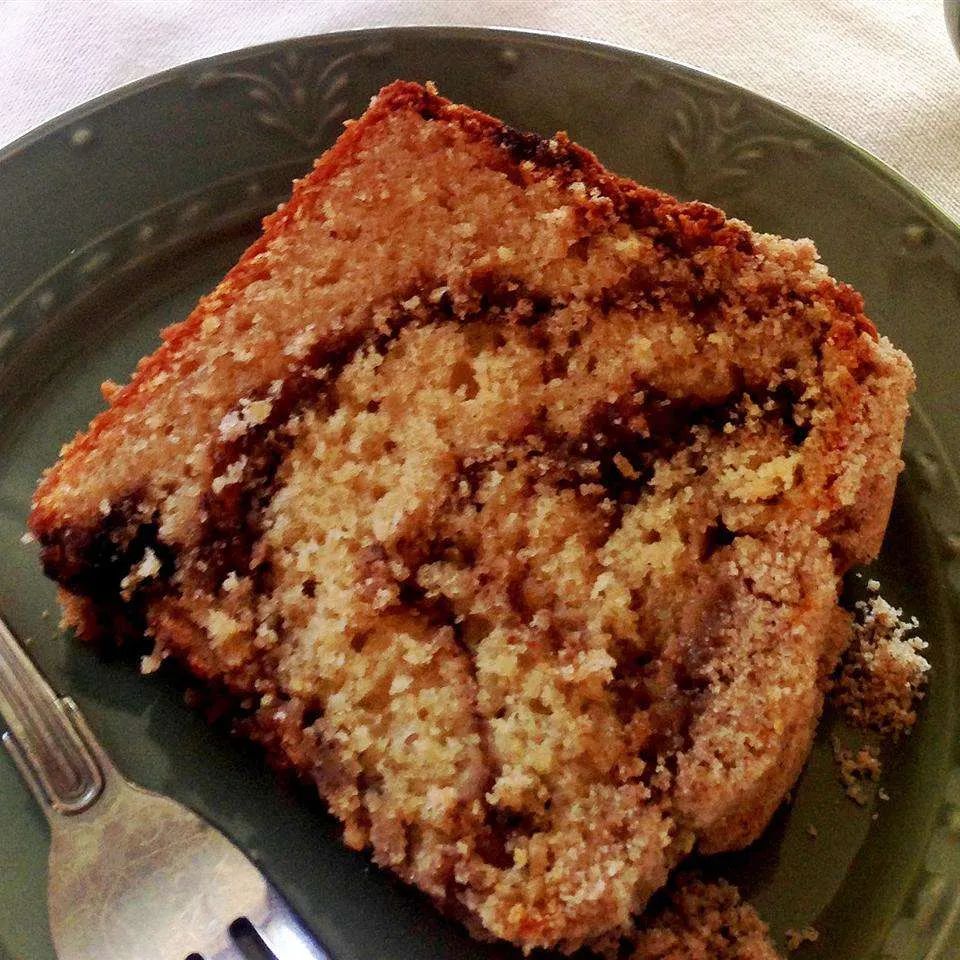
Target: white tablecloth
[{"x": 882, "y": 72}]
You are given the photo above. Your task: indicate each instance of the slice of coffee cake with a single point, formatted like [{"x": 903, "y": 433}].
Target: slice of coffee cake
[{"x": 508, "y": 500}]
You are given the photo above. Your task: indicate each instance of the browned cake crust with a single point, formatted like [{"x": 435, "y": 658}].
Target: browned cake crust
[{"x": 508, "y": 500}]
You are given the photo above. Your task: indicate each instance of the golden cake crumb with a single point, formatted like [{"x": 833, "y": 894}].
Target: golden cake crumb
[
  {"x": 857, "y": 770},
  {"x": 797, "y": 938}
]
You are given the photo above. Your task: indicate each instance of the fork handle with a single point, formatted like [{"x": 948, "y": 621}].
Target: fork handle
[{"x": 53, "y": 758}]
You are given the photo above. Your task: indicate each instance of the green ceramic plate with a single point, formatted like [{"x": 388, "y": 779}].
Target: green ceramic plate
[{"x": 118, "y": 215}]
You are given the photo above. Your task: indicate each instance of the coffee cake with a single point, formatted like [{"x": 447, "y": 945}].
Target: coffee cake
[{"x": 507, "y": 501}]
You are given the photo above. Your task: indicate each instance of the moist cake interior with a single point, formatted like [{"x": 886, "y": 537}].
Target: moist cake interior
[{"x": 507, "y": 501}]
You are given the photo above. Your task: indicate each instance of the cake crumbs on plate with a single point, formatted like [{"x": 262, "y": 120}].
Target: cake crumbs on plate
[
  {"x": 701, "y": 920},
  {"x": 882, "y": 674}
]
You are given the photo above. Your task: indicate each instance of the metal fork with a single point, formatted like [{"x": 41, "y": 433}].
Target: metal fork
[{"x": 133, "y": 875}]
